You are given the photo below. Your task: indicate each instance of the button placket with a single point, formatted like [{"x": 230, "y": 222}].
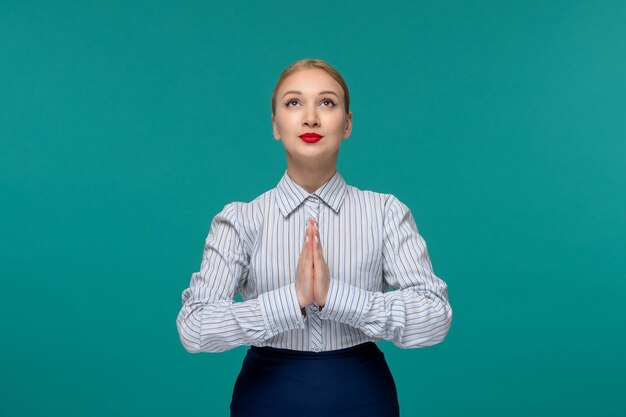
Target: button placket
[{"x": 311, "y": 209}]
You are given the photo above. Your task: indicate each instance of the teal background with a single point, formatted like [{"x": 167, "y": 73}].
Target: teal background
[{"x": 126, "y": 126}]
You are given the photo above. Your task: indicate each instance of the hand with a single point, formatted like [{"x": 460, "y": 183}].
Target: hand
[
  {"x": 312, "y": 275},
  {"x": 321, "y": 274},
  {"x": 304, "y": 272}
]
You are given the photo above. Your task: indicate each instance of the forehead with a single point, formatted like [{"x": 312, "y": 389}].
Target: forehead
[{"x": 310, "y": 81}]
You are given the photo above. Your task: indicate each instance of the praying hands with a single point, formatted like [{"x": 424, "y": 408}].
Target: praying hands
[{"x": 312, "y": 275}]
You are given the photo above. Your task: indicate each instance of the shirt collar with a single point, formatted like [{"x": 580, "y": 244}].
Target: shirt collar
[{"x": 290, "y": 195}]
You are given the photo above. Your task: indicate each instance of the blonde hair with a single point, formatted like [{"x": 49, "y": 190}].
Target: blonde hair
[{"x": 308, "y": 63}]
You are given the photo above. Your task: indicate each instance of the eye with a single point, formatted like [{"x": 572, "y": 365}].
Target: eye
[
  {"x": 293, "y": 100},
  {"x": 327, "y": 100}
]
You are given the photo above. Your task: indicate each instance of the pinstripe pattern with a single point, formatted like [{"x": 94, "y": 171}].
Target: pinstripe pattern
[
  {"x": 371, "y": 244},
  {"x": 311, "y": 209}
]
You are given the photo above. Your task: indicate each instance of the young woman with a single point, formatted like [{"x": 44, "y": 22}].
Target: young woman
[{"x": 313, "y": 259}]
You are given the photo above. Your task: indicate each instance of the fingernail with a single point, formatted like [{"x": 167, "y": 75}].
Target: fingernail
[
  {"x": 316, "y": 241},
  {"x": 307, "y": 238}
]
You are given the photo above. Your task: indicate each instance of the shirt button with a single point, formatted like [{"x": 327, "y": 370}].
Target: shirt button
[
  {"x": 314, "y": 308},
  {"x": 349, "y": 321},
  {"x": 317, "y": 349}
]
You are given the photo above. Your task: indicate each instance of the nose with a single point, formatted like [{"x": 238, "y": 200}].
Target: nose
[{"x": 310, "y": 117}]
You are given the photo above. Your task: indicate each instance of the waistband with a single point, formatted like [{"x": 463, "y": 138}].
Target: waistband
[{"x": 362, "y": 348}]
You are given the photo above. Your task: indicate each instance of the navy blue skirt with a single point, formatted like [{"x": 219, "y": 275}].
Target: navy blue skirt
[{"x": 350, "y": 382}]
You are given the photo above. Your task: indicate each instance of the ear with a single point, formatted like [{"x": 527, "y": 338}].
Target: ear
[
  {"x": 348, "y": 129},
  {"x": 275, "y": 129}
]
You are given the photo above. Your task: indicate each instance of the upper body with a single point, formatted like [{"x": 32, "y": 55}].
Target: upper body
[
  {"x": 313, "y": 257},
  {"x": 371, "y": 244}
]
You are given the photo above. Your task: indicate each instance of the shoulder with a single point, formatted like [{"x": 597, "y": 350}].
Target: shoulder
[
  {"x": 246, "y": 216},
  {"x": 393, "y": 211},
  {"x": 246, "y": 211},
  {"x": 387, "y": 201}
]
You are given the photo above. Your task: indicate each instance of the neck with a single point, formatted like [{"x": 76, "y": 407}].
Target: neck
[{"x": 311, "y": 176}]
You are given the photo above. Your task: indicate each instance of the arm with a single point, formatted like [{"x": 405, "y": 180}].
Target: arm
[
  {"x": 417, "y": 313},
  {"x": 210, "y": 320}
]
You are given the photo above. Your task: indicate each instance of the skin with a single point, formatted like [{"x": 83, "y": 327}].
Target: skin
[{"x": 311, "y": 164}]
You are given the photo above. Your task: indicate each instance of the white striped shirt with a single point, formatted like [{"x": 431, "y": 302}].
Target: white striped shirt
[{"x": 370, "y": 243}]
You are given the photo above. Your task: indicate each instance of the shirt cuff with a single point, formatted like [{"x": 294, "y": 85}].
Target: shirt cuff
[
  {"x": 280, "y": 309},
  {"x": 346, "y": 303}
]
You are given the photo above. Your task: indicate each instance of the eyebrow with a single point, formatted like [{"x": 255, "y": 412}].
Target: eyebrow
[{"x": 321, "y": 92}]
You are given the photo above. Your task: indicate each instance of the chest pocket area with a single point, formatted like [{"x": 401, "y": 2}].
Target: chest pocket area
[
  {"x": 358, "y": 261},
  {"x": 273, "y": 262}
]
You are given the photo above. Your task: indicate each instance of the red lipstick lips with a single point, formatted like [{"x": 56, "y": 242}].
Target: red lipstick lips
[{"x": 310, "y": 137}]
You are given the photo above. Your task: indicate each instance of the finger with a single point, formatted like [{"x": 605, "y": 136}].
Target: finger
[
  {"x": 309, "y": 247},
  {"x": 308, "y": 260},
  {"x": 306, "y": 247},
  {"x": 310, "y": 232},
  {"x": 316, "y": 248},
  {"x": 319, "y": 253},
  {"x": 318, "y": 241}
]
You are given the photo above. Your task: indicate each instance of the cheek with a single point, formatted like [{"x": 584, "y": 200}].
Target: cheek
[
  {"x": 284, "y": 121},
  {"x": 337, "y": 121}
]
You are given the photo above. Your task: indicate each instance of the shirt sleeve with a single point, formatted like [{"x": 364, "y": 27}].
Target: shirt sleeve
[
  {"x": 417, "y": 313},
  {"x": 210, "y": 320}
]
